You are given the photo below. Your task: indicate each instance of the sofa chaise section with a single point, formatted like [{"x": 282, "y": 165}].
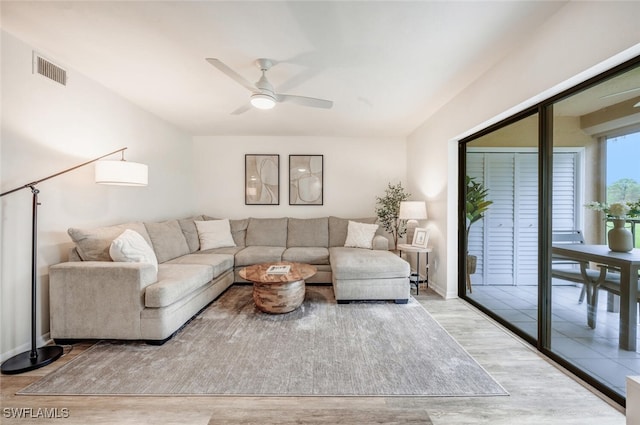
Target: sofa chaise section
[{"x": 360, "y": 274}]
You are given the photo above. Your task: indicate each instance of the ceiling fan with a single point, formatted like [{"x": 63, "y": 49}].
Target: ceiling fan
[
  {"x": 637, "y": 105},
  {"x": 263, "y": 94}
]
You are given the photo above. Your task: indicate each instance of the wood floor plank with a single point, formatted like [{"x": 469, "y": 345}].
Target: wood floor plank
[{"x": 540, "y": 393}]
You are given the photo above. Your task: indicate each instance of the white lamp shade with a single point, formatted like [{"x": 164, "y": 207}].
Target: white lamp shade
[
  {"x": 413, "y": 210},
  {"x": 122, "y": 173},
  {"x": 263, "y": 101}
]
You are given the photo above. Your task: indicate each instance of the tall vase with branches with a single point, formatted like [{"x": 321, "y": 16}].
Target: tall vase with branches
[{"x": 388, "y": 210}]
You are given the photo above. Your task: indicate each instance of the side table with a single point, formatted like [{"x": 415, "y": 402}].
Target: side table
[{"x": 403, "y": 247}]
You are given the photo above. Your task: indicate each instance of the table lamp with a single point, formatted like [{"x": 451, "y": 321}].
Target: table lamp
[{"x": 412, "y": 211}]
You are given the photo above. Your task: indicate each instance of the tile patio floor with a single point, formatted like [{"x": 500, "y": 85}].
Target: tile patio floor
[{"x": 594, "y": 350}]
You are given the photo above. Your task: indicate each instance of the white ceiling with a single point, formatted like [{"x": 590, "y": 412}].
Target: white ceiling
[{"x": 387, "y": 65}]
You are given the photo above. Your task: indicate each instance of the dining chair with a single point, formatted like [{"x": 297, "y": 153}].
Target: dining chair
[{"x": 566, "y": 268}]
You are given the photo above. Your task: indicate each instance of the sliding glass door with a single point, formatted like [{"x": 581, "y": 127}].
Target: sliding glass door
[{"x": 541, "y": 181}]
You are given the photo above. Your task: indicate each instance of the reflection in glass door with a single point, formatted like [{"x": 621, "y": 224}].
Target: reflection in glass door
[
  {"x": 603, "y": 122},
  {"x": 503, "y": 243}
]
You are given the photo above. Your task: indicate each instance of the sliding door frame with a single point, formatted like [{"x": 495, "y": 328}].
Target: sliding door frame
[{"x": 544, "y": 110}]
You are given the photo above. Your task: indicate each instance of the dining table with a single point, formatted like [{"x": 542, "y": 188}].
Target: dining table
[{"x": 628, "y": 265}]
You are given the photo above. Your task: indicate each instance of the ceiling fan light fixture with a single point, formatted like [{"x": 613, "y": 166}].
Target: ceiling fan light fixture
[{"x": 262, "y": 101}]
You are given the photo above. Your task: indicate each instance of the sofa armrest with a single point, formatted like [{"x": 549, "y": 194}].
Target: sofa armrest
[
  {"x": 380, "y": 243},
  {"x": 98, "y": 299}
]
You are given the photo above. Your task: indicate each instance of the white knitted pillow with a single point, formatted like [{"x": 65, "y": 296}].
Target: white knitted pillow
[
  {"x": 360, "y": 235},
  {"x": 214, "y": 234},
  {"x": 131, "y": 247}
]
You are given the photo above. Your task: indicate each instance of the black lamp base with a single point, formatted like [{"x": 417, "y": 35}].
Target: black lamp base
[{"x": 24, "y": 362}]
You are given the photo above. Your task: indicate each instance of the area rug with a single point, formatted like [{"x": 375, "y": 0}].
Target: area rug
[{"x": 321, "y": 349}]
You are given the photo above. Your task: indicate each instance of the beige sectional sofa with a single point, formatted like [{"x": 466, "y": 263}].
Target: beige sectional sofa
[{"x": 93, "y": 297}]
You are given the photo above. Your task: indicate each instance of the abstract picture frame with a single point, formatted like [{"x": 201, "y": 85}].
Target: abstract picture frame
[
  {"x": 262, "y": 179},
  {"x": 306, "y": 179},
  {"x": 420, "y": 237}
]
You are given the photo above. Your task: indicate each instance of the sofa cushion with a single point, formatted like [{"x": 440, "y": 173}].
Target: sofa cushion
[
  {"x": 176, "y": 281},
  {"x": 229, "y": 250},
  {"x": 338, "y": 228},
  {"x": 190, "y": 232},
  {"x": 308, "y": 255},
  {"x": 214, "y": 234},
  {"x": 356, "y": 263},
  {"x": 219, "y": 262},
  {"x": 239, "y": 231},
  {"x": 360, "y": 235},
  {"x": 93, "y": 244},
  {"x": 259, "y": 254},
  {"x": 167, "y": 240},
  {"x": 308, "y": 232},
  {"x": 267, "y": 232},
  {"x": 130, "y": 247}
]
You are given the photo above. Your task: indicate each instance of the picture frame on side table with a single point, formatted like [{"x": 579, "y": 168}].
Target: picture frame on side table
[
  {"x": 420, "y": 237},
  {"x": 261, "y": 179},
  {"x": 306, "y": 179}
]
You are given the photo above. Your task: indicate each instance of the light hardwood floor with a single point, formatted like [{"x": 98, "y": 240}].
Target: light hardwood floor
[{"x": 540, "y": 393}]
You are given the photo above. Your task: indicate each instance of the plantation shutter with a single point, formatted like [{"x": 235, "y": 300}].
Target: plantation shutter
[
  {"x": 506, "y": 241},
  {"x": 499, "y": 257},
  {"x": 565, "y": 182},
  {"x": 526, "y": 219}
]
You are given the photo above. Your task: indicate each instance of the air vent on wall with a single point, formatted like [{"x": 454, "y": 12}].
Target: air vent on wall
[{"x": 48, "y": 69}]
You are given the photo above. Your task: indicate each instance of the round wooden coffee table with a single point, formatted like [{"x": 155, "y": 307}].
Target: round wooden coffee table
[{"x": 278, "y": 293}]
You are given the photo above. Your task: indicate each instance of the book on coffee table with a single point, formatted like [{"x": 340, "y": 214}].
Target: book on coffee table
[{"x": 284, "y": 269}]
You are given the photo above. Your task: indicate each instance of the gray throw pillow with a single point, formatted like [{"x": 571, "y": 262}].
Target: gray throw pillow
[
  {"x": 93, "y": 244},
  {"x": 167, "y": 240},
  {"x": 190, "y": 232}
]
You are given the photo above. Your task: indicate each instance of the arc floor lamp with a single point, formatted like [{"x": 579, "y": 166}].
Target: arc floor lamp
[{"x": 107, "y": 172}]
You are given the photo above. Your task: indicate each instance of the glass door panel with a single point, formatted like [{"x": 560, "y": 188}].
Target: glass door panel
[
  {"x": 503, "y": 238},
  {"x": 588, "y": 128}
]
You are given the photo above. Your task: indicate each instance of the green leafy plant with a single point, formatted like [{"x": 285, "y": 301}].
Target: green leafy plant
[
  {"x": 476, "y": 202},
  {"x": 388, "y": 210}
]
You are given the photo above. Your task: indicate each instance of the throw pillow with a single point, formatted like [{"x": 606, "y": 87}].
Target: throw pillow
[
  {"x": 360, "y": 235},
  {"x": 167, "y": 240},
  {"x": 131, "y": 247},
  {"x": 93, "y": 244},
  {"x": 214, "y": 234}
]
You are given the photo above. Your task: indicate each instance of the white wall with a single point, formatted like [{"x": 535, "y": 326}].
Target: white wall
[
  {"x": 569, "y": 48},
  {"x": 47, "y": 128},
  {"x": 355, "y": 172}
]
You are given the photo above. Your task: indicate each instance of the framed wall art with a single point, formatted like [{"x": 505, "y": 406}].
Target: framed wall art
[
  {"x": 306, "y": 179},
  {"x": 261, "y": 179}
]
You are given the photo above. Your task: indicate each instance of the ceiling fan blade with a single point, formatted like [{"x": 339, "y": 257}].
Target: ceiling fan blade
[
  {"x": 241, "y": 110},
  {"x": 232, "y": 74},
  {"x": 621, "y": 92},
  {"x": 305, "y": 101}
]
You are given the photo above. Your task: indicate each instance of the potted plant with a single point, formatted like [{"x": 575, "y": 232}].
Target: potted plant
[
  {"x": 619, "y": 238},
  {"x": 388, "y": 210},
  {"x": 475, "y": 207}
]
